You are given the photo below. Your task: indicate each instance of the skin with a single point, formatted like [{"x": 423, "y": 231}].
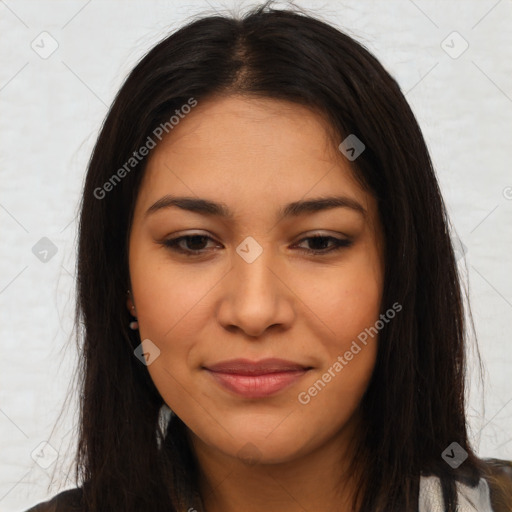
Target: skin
[{"x": 255, "y": 156}]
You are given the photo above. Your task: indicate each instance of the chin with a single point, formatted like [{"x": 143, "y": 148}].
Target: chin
[
  {"x": 259, "y": 451},
  {"x": 258, "y": 444}
]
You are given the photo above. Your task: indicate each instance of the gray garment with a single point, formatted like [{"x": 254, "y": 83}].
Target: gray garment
[{"x": 476, "y": 499}]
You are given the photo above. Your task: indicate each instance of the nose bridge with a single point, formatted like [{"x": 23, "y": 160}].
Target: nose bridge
[
  {"x": 252, "y": 270},
  {"x": 256, "y": 297}
]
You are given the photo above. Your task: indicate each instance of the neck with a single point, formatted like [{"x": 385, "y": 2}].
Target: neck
[{"x": 318, "y": 480}]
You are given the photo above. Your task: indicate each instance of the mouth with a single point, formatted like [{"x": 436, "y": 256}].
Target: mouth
[{"x": 256, "y": 379}]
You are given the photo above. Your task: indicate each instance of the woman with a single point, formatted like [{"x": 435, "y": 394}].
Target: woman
[{"x": 271, "y": 307}]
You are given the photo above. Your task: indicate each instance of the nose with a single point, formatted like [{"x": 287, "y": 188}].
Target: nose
[{"x": 255, "y": 296}]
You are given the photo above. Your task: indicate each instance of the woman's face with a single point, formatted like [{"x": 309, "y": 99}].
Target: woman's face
[{"x": 253, "y": 288}]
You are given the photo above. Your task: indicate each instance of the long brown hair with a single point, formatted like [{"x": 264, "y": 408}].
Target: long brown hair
[{"x": 414, "y": 406}]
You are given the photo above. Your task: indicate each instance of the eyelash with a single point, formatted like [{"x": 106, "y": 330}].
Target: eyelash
[{"x": 339, "y": 243}]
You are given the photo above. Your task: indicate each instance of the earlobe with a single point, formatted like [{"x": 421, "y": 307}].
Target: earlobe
[
  {"x": 134, "y": 325},
  {"x": 129, "y": 303}
]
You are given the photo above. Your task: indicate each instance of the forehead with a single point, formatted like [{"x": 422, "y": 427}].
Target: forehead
[
  {"x": 243, "y": 149},
  {"x": 264, "y": 127}
]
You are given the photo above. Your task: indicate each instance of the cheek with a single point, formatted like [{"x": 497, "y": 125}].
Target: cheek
[
  {"x": 173, "y": 306},
  {"x": 168, "y": 309},
  {"x": 348, "y": 310},
  {"x": 169, "y": 297},
  {"x": 344, "y": 301},
  {"x": 332, "y": 393}
]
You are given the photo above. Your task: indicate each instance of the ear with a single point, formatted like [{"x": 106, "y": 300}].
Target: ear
[{"x": 130, "y": 305}]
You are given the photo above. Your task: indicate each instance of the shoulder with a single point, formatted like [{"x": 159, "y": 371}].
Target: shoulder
[
  {"x": 499, "y": 477},
  {"x": 66, "y": 501},
  {"x": 491, "y": 492},
  {"x": 499, "y": 467}
]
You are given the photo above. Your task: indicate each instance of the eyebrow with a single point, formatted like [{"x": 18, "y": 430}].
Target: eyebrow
[{"x": 214, "y": 209}]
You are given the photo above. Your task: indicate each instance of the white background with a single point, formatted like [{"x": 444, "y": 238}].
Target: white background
[{"x": 51, "y": 111}]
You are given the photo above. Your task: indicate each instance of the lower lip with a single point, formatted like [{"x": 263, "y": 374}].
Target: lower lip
[{"x": 257, "y": 386}]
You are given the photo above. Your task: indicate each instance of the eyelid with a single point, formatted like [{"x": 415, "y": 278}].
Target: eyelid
[{"x": 323, "y": 233}]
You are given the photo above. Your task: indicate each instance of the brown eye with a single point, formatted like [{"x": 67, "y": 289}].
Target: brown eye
[
  {"x": 191, "y": 245},
  {"x": 320, "y": 244}
]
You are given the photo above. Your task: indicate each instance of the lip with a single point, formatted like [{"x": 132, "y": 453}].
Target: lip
[{"x": 256, "y": 379}]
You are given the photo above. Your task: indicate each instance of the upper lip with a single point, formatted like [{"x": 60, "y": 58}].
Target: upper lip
[{"x": 261, "y": 367}]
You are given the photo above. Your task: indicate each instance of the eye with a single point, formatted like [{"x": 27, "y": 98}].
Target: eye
[
  {"x": 196, "y": 244},
  {"x": 321, "y": 242}
]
